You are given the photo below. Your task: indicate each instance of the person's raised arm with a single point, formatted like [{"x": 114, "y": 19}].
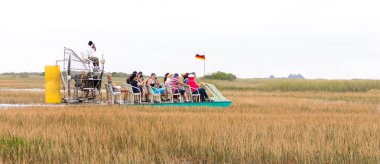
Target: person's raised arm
[
  {"x": 140, "y": 83},
  {"x": 181, "y": 83}
]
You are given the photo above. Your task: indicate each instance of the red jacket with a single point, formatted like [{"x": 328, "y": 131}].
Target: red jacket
[{"x": 192, "y": 84}]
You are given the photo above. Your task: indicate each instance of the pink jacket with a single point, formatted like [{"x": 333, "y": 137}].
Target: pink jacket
[
  {"x": 192, "y": 84},
  {"x": 173, "y": 82}
]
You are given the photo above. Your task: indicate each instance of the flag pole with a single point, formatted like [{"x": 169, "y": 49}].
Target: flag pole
[{"x": 204, "y": 65}]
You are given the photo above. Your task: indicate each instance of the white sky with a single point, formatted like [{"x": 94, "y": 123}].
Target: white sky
[{"x": 320, "y": 39}]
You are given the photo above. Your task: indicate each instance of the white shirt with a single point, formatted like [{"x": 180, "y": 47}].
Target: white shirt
[{"x": 90, "y": 52}]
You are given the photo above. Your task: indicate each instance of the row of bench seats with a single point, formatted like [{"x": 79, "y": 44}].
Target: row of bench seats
[{"x": 153, "y": 97}]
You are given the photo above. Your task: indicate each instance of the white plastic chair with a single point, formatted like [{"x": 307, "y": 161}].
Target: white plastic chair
[
  {"x": 170, "y": 94},
  {"x": 153, "y": 95},
  {"x": 194, "y": 97},
  {"x": 133, "y": 96},
  {"x": 111, "y": 95}
]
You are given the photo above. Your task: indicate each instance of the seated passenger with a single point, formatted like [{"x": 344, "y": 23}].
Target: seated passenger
[
  {"x": 166, "y": 77},
  {"x": 174, "y": 82},
  {"x": 115, "y": 88},
  {"x": 185, "y": 77},
  {"x": 140, "y": 79},
  {"x": 136, "y": 86},
  {"x": 152, "y": 81},
  {"x": 194, "y": 87},
  {"x": 128, "y": 81}
]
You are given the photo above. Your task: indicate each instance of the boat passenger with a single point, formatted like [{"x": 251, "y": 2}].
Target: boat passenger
[
  {"x": 140, "y": 79},
  {"x": 128, "y": 81},
  {"x": 195, "y": 88},
  {"x": 166, "y": 77},
  {"x": 90, "y": 52},
  {"x": 115, "y": 88},
  {"x": 185, "y": 76},
  {"x": 152, "y": 81},
  {"x": 136, "y": 86},
  {"x": 174, "y": 82}
]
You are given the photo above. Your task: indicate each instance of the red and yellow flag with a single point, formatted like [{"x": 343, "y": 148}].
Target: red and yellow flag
[{"x": 200, "y": 57}]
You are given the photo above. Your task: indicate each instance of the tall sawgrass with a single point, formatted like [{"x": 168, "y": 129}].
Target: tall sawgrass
[
  {"x": 298, "y": 85},
  {"x": 319, "y": 85},
  {"x": 13, "y": 81},
  {"x": 260, "y": 127},
  {"x": 7, "y": 81},
  {"x": 22, "y": 97}
]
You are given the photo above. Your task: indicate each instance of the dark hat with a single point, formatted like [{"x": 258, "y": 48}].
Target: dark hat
[
  {"x": 90, "y": 43},
  {"x": 176, "y": 75}
]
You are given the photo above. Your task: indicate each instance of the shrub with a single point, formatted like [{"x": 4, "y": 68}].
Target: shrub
[
  {"x": 23, "y": 74},
  {"x": 301, "y": 85},
  {"x": 119, "y": 74},
  {"x": 221, "y": 76}
]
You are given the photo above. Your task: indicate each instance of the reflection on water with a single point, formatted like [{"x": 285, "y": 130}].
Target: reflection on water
[
  {"x": 28, "y": 90},
  {"x": 23, "y": 90},
  {"x": 17, "y": 105},
  {"x": 5, "y": 106}
]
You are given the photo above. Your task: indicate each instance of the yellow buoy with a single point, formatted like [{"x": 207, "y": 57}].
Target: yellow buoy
[{"x": 52, "y": 85}]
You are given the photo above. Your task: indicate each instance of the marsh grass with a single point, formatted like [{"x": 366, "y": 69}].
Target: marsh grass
[
  {"x": 319, "y": 85},
  {"x": 265, "y": 85},
  {"x": 267, "y": 125},
  {"x": 21, "y": 97},
  {"x": 12, "y": 81},
  {"x": 258, "y": 127},
  {"x": 14, "y": 148}
]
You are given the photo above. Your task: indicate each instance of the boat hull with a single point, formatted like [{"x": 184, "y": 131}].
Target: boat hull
[{"x": 219, "y": 104}]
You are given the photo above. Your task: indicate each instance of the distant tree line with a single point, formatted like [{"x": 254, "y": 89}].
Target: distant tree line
[
  {"x": 24, "y": 74},
  {"x": 296, "y": 76},
  {"x": 119, "y": 74},
  {"x": 221, "y": 76},
  {"x": 214, "y": 76},
  {"x": 291, "y": 76}
]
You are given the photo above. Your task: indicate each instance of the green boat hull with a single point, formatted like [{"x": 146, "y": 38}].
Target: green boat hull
[{"x": 219, "y": 104}]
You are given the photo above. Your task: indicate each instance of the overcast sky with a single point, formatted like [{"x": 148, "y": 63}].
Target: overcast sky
[{"x": 335, "y": 39}]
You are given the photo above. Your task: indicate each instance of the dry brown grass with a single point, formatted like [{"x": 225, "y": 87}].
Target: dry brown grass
[
  {"x": 21, "y": 82},
  {"x": 259, "y": 127},
  {"x": 275, "y": 127},
  {"x": 21, "y": 97}
]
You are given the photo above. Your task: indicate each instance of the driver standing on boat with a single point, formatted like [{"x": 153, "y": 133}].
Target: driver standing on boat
[{"x": 91, "y": 54}]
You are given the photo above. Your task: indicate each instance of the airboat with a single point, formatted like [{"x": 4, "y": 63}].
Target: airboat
[
  {"x": 80, "y": 80},
  {"x": 75, "y": 80}
]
